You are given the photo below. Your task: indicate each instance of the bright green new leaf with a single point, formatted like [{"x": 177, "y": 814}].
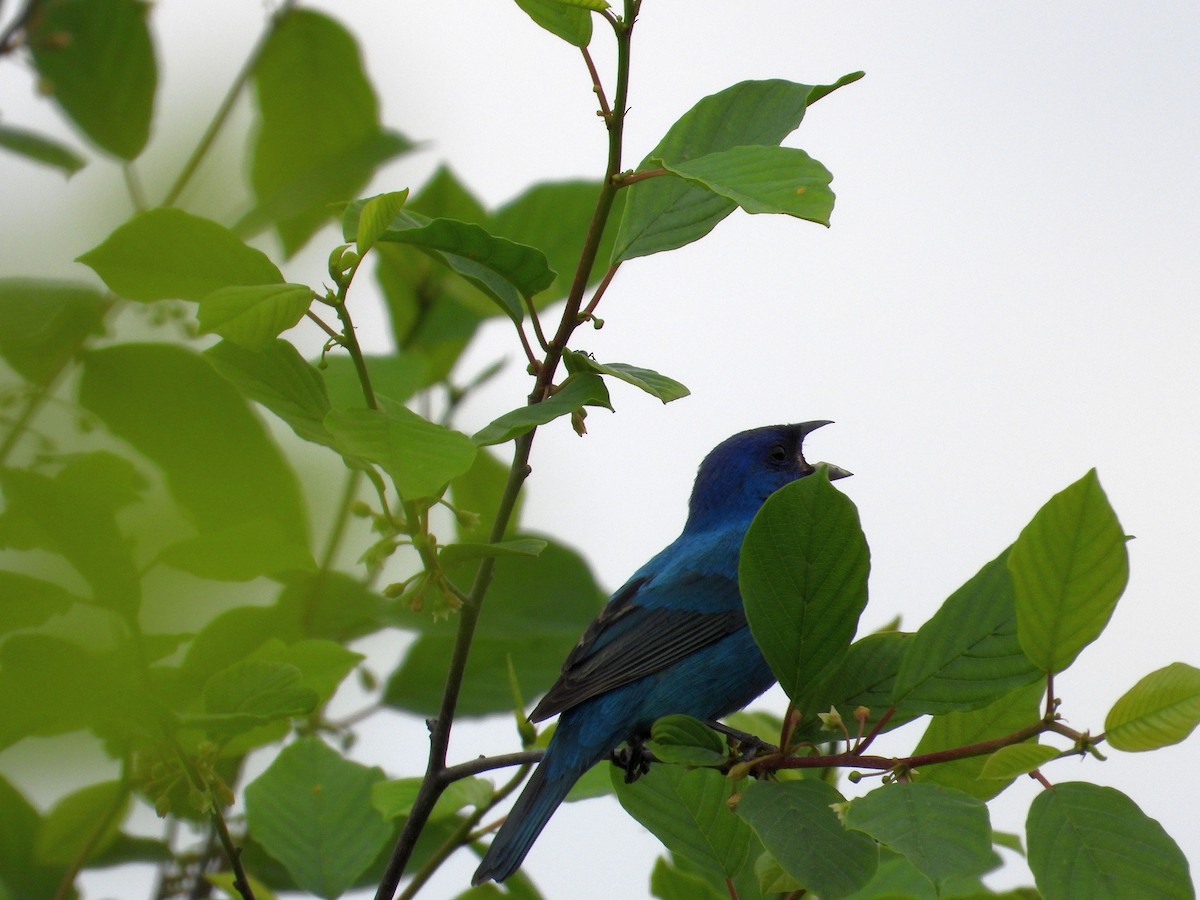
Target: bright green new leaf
[
  {"x": 1017, "y": 759},
  {"x": 279, "y": 378},
  {"x": 968, "y": 654},
  {"x": 165, "y": 254},
  {"x": 682, "y": 740},
  {"x": 688, "y": 810},
  {"x": 796, "y": 824},
  {"x": 96, "y": 59},
  {"x": 1090, "y": 841},
  {"x": 319, "y": 140},
  {"x": 583, "y": 389},
  {"x": 571, "y": 21},
  {"x": 377, "y": 213},
  {"x": 764, "y": 179},
  {"x": 665, "y": 213},
  {"x": 803, "y": 578},
  {"x": 1161, "y": 709},
  {"x": 40, "y": 149},
  {"x": 258, "y": 690},
  {"x": 253, "y": 315},
  {"x": 419, "y": 455},
  {"x": 456, "y": 554},
  {"x": 656, "y": 385},
  {"x": 71, "y": 825},
  {"x": 28, "y": 601},
  {"x": 1069, "y": 567},
  {"x": 311, "y": 810},
  {"x": 240, "y": 552},
  {"x": 43, "y": 324},
  {"x": 943, "y": 832}
]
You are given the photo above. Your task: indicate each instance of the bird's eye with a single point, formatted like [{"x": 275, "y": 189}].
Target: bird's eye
[{"x": 778, "y": 454}]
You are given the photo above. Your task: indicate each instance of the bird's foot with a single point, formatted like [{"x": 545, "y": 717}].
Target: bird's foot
[
  {"x": 634, "y": 759},
  {"x": 749, "y": 746}
]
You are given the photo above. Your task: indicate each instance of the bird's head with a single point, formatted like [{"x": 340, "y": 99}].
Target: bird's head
[{"x": 744, "y": 470}]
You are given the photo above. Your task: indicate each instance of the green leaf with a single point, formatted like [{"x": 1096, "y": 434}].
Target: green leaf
[
  {"x": 584, "y": 389},
  {"x": 240, "y": 552},
  {"x": 665, "y": 213},
  {"x": 326, "y": 604},
  {"x": 311, "y": 71},
  {"x": 377, "y": 213},
  {"x": 253, "y": 315},
  {"x": 419, "y": 455},
  {"x": 395, "y": 376},
  {"x": 1069, "y": 567},
  {"x": 28, "y": 601},
  {"x": 682, "y": 740},
  {"x": 764, "y": 180},
  {"x": 669, "y": 883},
  {"x": 311, "y": 810},
  {"x": 570, "y": 21},
  {"x": 256, "y": 691},
  {"x": 968, "y": 654},
  {"x": 478, "y": 492},
  {"x": 164, "y": 254},
  {"x": 797, "y": 825},
  {"x": 535, "y": 612},
  {"x": 278, "y": 378},
  {"x": 456, "y": 554},
  {"x": 394, "y": 798},
  {"x": 43, "y": 324},
  {"x": 23, "y": 876},
  {"x": 218, "y": 460},
  {"x": 943, "y": 832},
  {"x": 958, "y": 729},
  {"x": 71, "y": 826},
  {"x": 864, "y": 678},
  {"x": 1018, "y": 759},
  {"x": 1090, "y": 841},
  {"x": 656, "y": 385},
  {"x": 803, "y": 579},
  {"x": 41, "y": 149},
  {"x": 323, "y": 664},
  {"x": 96, "y": 58},
  {"x": 688, "y": 811},
  {"x": 1161, "y": 709}
]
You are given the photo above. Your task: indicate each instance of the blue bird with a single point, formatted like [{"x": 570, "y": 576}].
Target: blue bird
[{"x": 673, "y": 639}]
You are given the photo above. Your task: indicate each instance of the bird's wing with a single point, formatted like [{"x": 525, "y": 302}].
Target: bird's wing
[{"x": 644, "y": 629}]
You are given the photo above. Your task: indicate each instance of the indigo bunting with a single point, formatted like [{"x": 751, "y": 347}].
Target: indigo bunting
[{"x": 672, "y": 639}]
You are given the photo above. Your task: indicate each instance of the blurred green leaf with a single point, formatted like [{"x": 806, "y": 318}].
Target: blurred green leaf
[
  {"x": 21, "y": 874},
  {"x": 764, "y": 179},
  {"x": 570, "y": 21},
  {"x": 803, "y": 578},
  {"x": 688, "y": 810},
  {"x": 656, "y": 385},
  {"x": 164, "y": 254},
  {"x": 253, "y": 315},
  {"x": 323, "y": 664},
  {"x": 583, "y": 389},
  {"x": 325, "y": 604},
  {"x": 254, "y": 692},
  {"x": 311, "y": 71},
  {"x": 41, "y": 149},
  {"x": 1091, "y": 841},
  {"x": 96, "y": 58},
  {"x": 1069, "y": 567},
  {"x": 30, "y": 601},
  {"x": 455, "y": 554},
  {"x": 797, "y": 825},
  {"x": 665, "y": 213},
  {"x": 71, "y": 826},
  {"x": 311, "y": 810},
  {"x": 396, "y": 376},
  {"x": 420, "y": 456},
  {"x": 239, "y": 552},
  {"x": 1161, "y": 709},
  {"x": 43, "y": 324},
  {"x": 478, "y": 491},
  {"x": 394, "y": 798}
]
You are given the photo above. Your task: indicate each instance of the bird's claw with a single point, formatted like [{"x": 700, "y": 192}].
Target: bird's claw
[{"x": 634, "y": 759}]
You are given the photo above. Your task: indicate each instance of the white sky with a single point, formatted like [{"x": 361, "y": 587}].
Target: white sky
[{"x": 1007, "y": 297}]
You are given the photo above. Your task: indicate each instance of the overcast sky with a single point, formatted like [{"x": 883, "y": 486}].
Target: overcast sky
[{"x": 1007, "y": 298}]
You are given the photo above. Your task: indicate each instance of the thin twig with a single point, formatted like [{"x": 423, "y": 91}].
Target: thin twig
[
  {"x": 488, "y": 763},
  {"x": 325, "y": 327},
  {"x": 589, "y": 311},
  {"x": 597, "y": 86}
]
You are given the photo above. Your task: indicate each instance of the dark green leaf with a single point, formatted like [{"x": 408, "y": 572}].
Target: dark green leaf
[
  {"x": 896, "y": 879},
  {"x": 320, "y": 139},
  {"x": 943, "y": 832},
  {"x": 803, "y": 578},
  {"x": 796, "y": 824},
  {"x": 669, "y": 883},
  {"x": 278, "y": 378},
  {"x": 218, "y": 460},
  {"x": 764, "y": 179},
  {"x": 28, "y": 602},
  {"x": 571, "y": 22},
  {"x": 1161, "y": 709},
  {"x": 584, "y": 389},
  {"x": 1091, "y": 841},
  {"x": 311, "y": 810},
  {"x": 96, "y": 59},
  {"x": 1069, "y": 567},
  {"x": 420, "y": 456},
  {"x": 164, "y": 254},
  {"x": 41, "y": 149},
  {"x": 71, "y": 825},
  {"x": 688, "y": 810},
  {"x": 21, "y": 875},
  {"x": 864, "y": 678},
  {"x": 44, "y": 323},
  {"x": 240, "y": 552},
  {"x": 665, "y": 213},
  {"x": 326, "y": 604},
  {"x": 968, "y": 654},
  {"x": 656, "y": 385},
  {"x": 253, "y": 315}
]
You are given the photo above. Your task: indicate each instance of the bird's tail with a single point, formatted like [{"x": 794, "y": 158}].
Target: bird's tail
[{"x": 546, "y": 788}]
